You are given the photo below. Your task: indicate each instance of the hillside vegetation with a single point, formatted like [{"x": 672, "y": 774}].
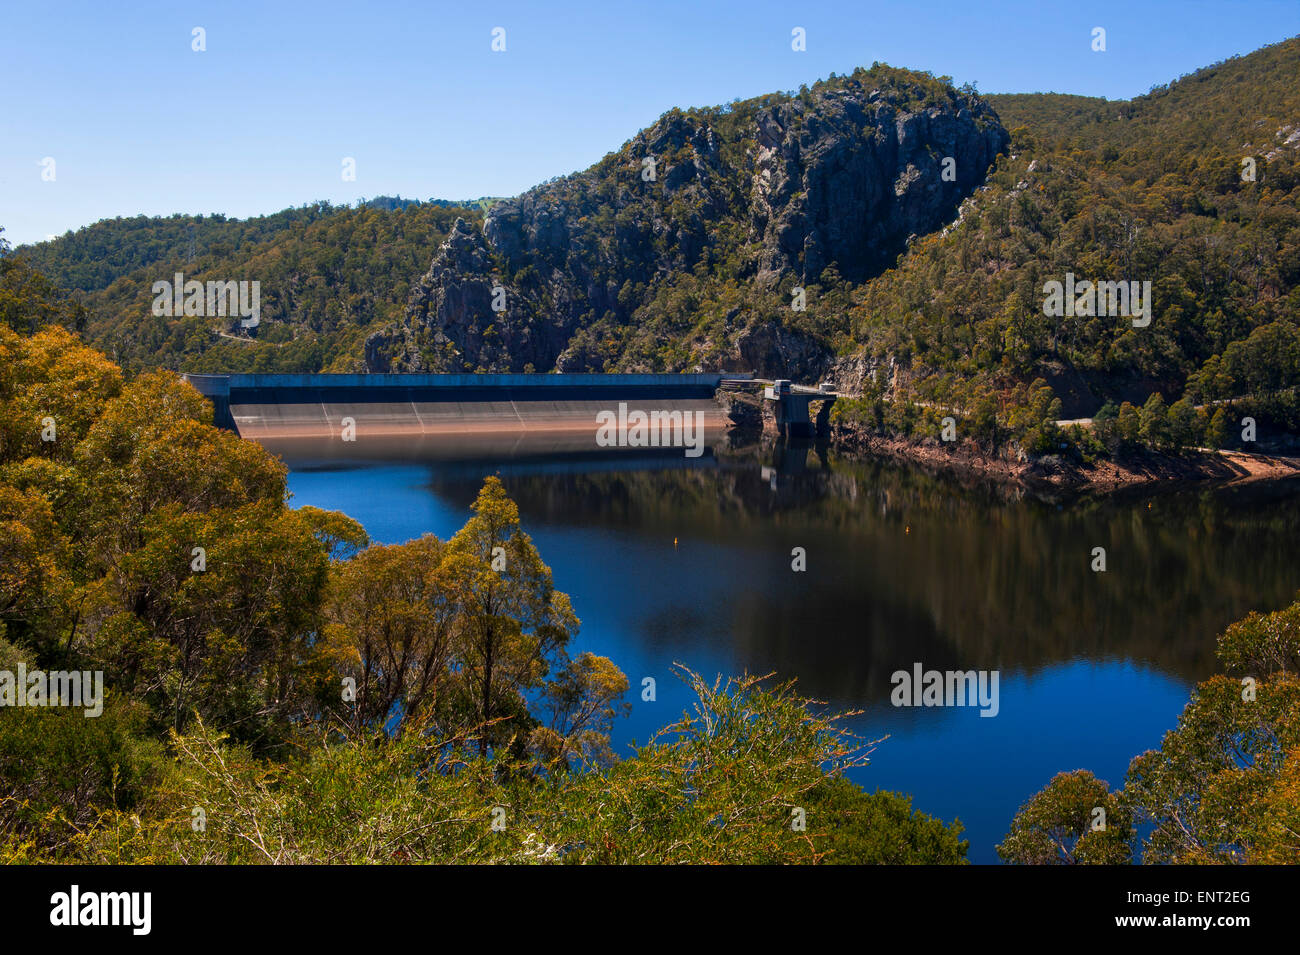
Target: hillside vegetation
[
  {"x": 327, "y": 275},
  {"x": 1147, "y": 190}
]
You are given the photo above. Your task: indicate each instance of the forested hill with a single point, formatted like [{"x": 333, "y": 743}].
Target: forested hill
[
  {"x": 1194, "y": 188},
  {"x": 923, "y": 279},
  {"x": 685, "y": 246},
  {"x": 1232, "y": 105},
  {"x": 327, "y": 274},
  {"x": 92, "y": 258}
]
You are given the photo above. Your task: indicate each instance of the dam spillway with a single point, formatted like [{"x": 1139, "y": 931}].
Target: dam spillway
[{"x": 416, "y": 412}]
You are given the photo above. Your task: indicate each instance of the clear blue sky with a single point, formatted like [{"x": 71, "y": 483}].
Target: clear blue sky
[{"x": 137, "y": 122}]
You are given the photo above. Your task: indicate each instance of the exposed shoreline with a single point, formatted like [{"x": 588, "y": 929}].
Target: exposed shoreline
[
  {"x": 1049, "y": 473},
  {"x": 1102, "y": 475}
]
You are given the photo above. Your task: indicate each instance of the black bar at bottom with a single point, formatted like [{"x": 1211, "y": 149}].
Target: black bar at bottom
[{"x": 342, "y": 905}]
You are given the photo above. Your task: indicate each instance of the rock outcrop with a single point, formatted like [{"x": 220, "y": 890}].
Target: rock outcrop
[
  {"x": 849, "y": 179},
  {"x": 773, "y": 190}
]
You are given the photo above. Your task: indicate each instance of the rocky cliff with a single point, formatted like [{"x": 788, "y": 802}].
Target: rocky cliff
[{"x": 685, "y": 248}]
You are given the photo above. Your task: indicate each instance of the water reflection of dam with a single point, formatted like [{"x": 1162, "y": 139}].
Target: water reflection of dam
[{"x": 401, "y": 415}]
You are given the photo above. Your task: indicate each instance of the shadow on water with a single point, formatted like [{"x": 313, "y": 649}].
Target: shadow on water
[{"x": 901, "y": 564}]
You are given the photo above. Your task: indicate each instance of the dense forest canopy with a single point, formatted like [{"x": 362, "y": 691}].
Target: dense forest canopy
[{"x": 327, "y": 274}]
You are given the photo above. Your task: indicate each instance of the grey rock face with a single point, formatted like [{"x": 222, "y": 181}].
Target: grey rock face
[
  {"x": 840, "y": 178},
  {"x": 848, "y": 180},
  {"x": 774, "y": 351}
]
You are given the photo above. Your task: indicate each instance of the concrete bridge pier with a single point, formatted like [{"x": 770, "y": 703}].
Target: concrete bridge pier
[{"x": 792, "y": 414}]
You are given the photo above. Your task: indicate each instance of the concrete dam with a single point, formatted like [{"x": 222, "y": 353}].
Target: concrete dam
[{"x": 415, "y": 414}]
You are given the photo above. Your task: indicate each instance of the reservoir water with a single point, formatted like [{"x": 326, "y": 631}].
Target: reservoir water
[{"x": 674, "y": 560}]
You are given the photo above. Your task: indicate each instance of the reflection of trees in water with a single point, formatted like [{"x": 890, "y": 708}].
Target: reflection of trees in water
[{"x": 905, "y": 567}]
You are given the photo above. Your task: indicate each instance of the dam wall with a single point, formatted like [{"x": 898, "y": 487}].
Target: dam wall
[{"x": 280, "y": 407}]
